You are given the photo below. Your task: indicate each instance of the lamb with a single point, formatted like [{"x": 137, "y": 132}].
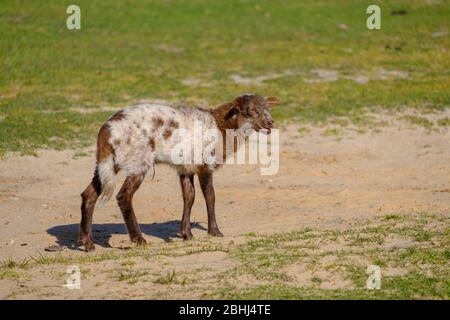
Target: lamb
[{"x": 135, "y": 139}]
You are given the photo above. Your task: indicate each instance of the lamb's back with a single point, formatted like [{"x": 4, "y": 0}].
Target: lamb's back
[{"x": 146, "y": 133}]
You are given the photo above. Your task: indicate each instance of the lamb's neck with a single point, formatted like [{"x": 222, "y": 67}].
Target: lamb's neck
[{"x": 224, "y": 122}]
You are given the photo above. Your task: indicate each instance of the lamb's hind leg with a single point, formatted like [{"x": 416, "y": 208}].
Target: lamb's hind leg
[
  {"x": 89, "y": 198},
  {"x": 188, "y": 190},
  {"x": 124, "y": 199}
]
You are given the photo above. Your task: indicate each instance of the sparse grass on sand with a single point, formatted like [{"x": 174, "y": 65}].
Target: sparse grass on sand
[{"x": 412, "y": 251}]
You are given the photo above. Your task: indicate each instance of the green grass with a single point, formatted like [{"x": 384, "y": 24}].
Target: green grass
[
  {"x": 420, "y": 121},
  {"x": 166, "y": 278},
  {"x": 9, "y": 269},
  {"x": 424, "y": 261},
  {"x": 445, "y": 122},
  {"x": 139, "y": 49},
  {"x": 131, "y": 276},
  {"x": 9, "y": 274},
  {"x": 12, "y": 264},
  {"x": 412, "y": 286},
  {"x": 175, "y": 249}
]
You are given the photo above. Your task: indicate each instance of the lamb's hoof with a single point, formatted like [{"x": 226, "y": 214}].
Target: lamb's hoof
[
  {"x": 54, "y": 248},
  {"x": 186, "y": 235},
  {"x": 215, "y": 233},
  {"x": 81, "y": 240},
  {"x": 89, "y": 246},
  {"x": 140, "y": 241}
]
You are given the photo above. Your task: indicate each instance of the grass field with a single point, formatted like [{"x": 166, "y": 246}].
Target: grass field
[{"x": 316, "y": 56}]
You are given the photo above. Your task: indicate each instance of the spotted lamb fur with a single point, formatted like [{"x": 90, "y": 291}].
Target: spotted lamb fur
[{"x": 133, "y": 140}]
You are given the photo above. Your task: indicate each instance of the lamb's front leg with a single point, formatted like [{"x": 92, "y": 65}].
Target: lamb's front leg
[
  {"x": 188, "y": 190},
  {"x": 206, "y": 182}
]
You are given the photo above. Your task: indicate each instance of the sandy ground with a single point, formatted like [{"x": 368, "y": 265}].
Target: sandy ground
[{"x": 323, "y": 181}]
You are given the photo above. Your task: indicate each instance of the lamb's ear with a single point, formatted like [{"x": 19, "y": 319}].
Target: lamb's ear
[
  {"x": 231, "y": 111},
  {"x": 271, "y": 101}
]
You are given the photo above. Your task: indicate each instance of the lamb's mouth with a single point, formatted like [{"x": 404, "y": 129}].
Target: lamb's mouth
[{"x": 266, "y": 130}]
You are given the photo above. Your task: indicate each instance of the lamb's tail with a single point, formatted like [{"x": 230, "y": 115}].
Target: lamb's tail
[{"x": 107, "y": 176}]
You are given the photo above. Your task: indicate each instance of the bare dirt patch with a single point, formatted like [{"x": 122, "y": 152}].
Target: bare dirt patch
[{"x": 320, "y": 75}]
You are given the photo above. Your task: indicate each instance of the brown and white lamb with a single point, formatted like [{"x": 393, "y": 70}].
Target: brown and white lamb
[{"x": 133, "y": 140}]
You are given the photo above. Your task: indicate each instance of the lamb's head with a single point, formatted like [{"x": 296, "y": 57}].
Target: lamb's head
[{"x": 251, "y": 111}]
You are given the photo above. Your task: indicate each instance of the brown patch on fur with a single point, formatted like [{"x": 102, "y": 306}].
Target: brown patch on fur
[
  {"x": 173, "y": 124},
  {"x": 167, "y": 134},
  {"x": 223, "y": 117},
  {"x": 224, "y": 120},
  {"x": 104, "y": 148},
  {"x": 202, "y": 169},
  {"x": 151, "y": 143},
  {"x": 119, "y": 115},
  {"x": 89, "y": 198},
  {"x": 158, "y": 122}
]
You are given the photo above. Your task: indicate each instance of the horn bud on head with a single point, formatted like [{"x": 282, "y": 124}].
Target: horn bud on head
[{"x": 238, "y": 103}]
